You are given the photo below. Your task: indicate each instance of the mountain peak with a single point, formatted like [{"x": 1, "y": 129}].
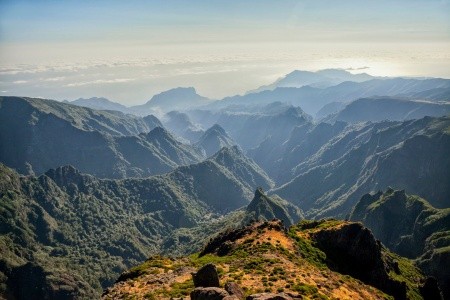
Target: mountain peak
[
  {"x": 259, "y": 193},
  {"x": 173, "y": 93},
  {"x": 159, "y": 133},
  {"x": 263, "y": 207},
  {"x": 216, "y": 128},
  {"x": 215, "y": 139}
]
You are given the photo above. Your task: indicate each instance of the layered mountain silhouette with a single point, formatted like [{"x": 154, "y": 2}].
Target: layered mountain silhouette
[
  {"x": 411, "y": 154},
  {"x": 388, "y": 108},
  {"x": 180, "y": 124},
  {"x": 100, "y": 103},
  {"x": 321, "y": 79},
  {"x": 411, "y": 227},
  {"x": 312, "y": 99},
  {"x": 102, "y": 190},
  {"x": 48, "y": 134}
]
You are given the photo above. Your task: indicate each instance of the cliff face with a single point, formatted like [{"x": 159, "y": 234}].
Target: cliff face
[
  {"x": 264, "y": 260},
  {"x": 410, "y": 226}
]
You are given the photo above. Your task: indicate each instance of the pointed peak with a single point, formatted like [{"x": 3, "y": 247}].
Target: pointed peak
[
  {"x": 259, "y": 192},
  {"x": 216, "y": 128},
  {"x": 159, "y": 132}
]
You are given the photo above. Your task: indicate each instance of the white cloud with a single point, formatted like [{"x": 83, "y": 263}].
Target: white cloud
[
  {"x": 99, "y": 81},
  {"x": 20, "y": 81},
  {"x": 53, "y": 79}
]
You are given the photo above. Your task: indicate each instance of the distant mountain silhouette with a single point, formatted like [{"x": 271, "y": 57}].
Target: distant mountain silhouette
[
  {"x": 174, "y": 99},
  {"x": 377, "y": 109},
  {"x": 320, "y": 79},
  {"x": 312, "y": 99},
  {"x": 48, "y": 134},
  {"x": 180, "y": 124},
  {"x": 100, "y": 103}
]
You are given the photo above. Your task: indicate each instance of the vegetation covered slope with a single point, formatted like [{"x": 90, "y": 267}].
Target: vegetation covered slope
[
  {"x": 412, "y": 155},
  {"x": 264, "y": 257},
  {"x": 67, "y": 222},
  {"x": 37, "y": 134},
  {"x": 411, "y": 227},
  {"x": 185, "y": 241}
]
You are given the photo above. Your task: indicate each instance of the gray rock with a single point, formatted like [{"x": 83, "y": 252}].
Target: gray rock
[
  {"x": 206, "y": 276},
  {"x": 269, "y": 296},
  {"x": 234, "y": 289},
  {"x": 209, "y": 293}
]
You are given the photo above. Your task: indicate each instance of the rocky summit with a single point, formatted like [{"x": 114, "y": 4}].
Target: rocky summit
[{"x": 326, "y": 259}]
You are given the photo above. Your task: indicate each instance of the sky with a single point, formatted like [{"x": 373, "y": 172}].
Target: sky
[{"x": 128, "y": 51}]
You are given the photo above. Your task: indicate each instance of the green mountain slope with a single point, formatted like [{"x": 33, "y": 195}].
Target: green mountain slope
[
  {"x": 313, "y": 260},
  {"x": 411, "y": 155},
  {"x": 185, "y": 241},
  {"x": 37, "y": 134},
  {"x": 267, "y": 208},
  {"x": 76, "y": 224},
  {"x": 411, "y": 227}
]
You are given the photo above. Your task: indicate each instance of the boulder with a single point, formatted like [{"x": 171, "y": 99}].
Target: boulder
[
  {"x": 209, "y": 293},
  {"x": 206, "y": 276},
  {"x": 235, "y": 290},
  {"x": 269, "y": 296}
]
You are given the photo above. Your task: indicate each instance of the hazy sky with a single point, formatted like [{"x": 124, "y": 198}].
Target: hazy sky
[{"x": 129, "y": 50}]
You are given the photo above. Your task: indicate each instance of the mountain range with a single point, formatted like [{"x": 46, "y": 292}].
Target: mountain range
[
  {"x": 87, "y": 191},
  {"x": 96, "y": 228}
]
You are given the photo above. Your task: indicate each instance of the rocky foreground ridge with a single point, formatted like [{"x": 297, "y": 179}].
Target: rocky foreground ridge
[{"x": 326, "y": 259}]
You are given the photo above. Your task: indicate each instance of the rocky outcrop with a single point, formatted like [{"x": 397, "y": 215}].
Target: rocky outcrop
[
  {"x": 409, "y": 226},
  {"x": 206, "y": 276},
  {"x": 235, "y": 290},
  {"x": 263, "y": 208},
  {"x": 270, "y": 296},
  {"x": 352, "y": 249},
  {"x": 209, "y": 293}
]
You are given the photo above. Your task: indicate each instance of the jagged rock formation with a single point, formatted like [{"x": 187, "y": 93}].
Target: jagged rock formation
[
  {"x": 266, "y": 208},
  {"x": 411, "y": 227},
  {"x": 269, "y": 262}
]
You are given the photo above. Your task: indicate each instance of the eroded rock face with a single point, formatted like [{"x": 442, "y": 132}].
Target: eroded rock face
[
  {"x": 352, "y": 249},
  {"x": 209, "y": 293},
  {"x": 206, "y": 276}
]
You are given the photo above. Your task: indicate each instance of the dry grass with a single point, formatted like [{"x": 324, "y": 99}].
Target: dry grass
[{"x": 265, "y": 260}]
